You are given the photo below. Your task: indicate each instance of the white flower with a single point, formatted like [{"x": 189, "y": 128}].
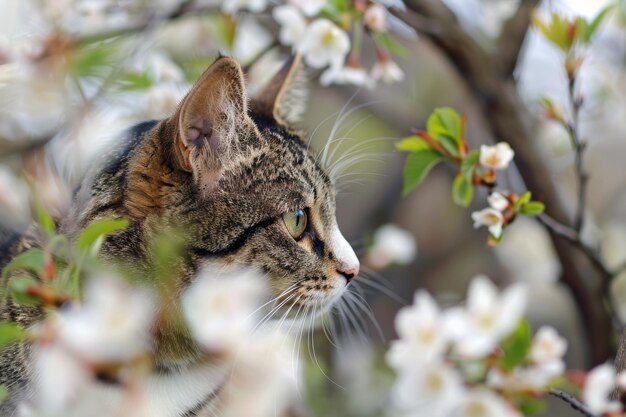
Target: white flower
[
  {"x": 392, "y": 245},
  {"x": 422, "y": 338},
  {"x": 621, "y": 381},
  {"x": 162, "y": 100},
  {"x": 163, "y": 70},
  {"x": 388, "y": 71},
  {"x": 255, "y": 6},
  {"x": 309, "y": 7},
  {"x": 498, "y": 156},
  {"x": 218, "y": 320},
  {"x": 598, "y": 387},
  {"x": 547, "y": 345},
  {"x": 292, "y": 24},
  {"x": 263, "y": 379},
  {"x": 522, "y": 379},
  {"x": 483, "y": 403},
  {"x": 113, "y": 324},
  {"x": 346, "y": 75},
  {"x": 14, "y": 200},
  {"x": 375, "y": 18},
  {"x": 324, "y": 44},
  {"x": 487, "y": 318},
  {"x": 497, "y": 201},
  {"x": 491, "y": 218},
  {"x": 251, "y": 39},
  {"x": 432, "y": 390},
  {"x": 59, "y": 377}
]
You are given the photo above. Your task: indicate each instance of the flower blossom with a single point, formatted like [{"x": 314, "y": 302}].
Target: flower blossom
[
  {"x": 292, "y": 25},
  {"x": 309, "y": 7},
  {"x": 598, "y": 388},
  {"x": 113, "y": 325},
  {"x": 346, "y": 75},
  {"x": 392, "y": 245},
  {"x": 419, "y": 327},
  {"x": 487, "y": 317},
  {"x": 547, "y": 345},
  {"x": 387, "y": 70},
  {"x": 497, "y": 157},
  {"x": 491, "y": 218},
  {"x": 484, "y": 403},
  {"x": 375, "y": 18},
  {"x": 433, "y": 390},
  {"x": 324, "y": 43},
  {"x": 497, "y": 201},
  {"x": 255, "y": 6},
  {"x": 219, "y": 321}
]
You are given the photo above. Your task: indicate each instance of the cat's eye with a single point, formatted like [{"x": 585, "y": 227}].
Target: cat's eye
[{"x": 295, "y": 221}]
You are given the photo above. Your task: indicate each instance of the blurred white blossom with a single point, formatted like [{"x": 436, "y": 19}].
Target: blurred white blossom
[
  {"x": 387, "y": 70},
  {"x": 309, "y": 7},
  {"x": 292, "y": 25},
  {"x": 264, "y": 377},
  {"x": 392, "y": 244},
  {"x": 375, "y": 18},
  {"x": 497, "y": 201},
  {"x": 251, "y": 39},
  {"x": 422, "y": 337},
  {"x": 255, "y": 6},
  {"x": 497, "y": 157},
  {"x": 547, "y": 345},
  {"x": 486, "y": 318},
  {"x": 219, "y": 321},
  {"x": 346, "y": 75},
  {"x": 60, "y": 377},
  {"x": 14, "y": 200},
  {"x": 598, "y": 387},
  {"x": 163, "y": 70},
  {"x": 324, "y": 44},
  {"x": 484, "y": 403},
  {"x": 491, "y": 218},
  {"x": 433, "y": 390},
  {"x": 112, "y": 325}
]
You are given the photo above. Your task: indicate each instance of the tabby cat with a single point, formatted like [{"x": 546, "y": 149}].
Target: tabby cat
[{"x": 239, "y": 178}]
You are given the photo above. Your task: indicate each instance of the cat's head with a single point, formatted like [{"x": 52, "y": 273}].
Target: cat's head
[{"x": 255, "y": 194}]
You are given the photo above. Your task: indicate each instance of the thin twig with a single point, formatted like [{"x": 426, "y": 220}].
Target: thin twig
[
  {"x": 579, "y": 148},
  {"x": 573, "y": 402}
]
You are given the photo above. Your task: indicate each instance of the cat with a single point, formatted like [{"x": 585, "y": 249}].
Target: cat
[{"x": 239, "y": 178}]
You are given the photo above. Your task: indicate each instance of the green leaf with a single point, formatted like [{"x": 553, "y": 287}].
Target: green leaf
[
  {"x": 532, "y": 208},
  {"x": 90, "y": 60},
  {"x": 4, "y": 391},
  {"x": 450, "y": 145},
  {"x": 394, "y": 47},
  {"x": 19, "y": 289},
  {"x": 134, "y": 81},
  {"x": 31, "y": 260},
  {"x": 9, "y": 333},
  {"x": 468, "y": 166},
  {"x": 444, "y": 121},
  {"x": 516, "y": 346},
  {"x": 412, "y": 144},
  {"x": 462, "y": 191},
  {"x": 44, "y": 219},
  {"x": 166, "y": 251},
  {"x": 417, "y": 166},
  {"x": 529, "y": 406},
  {"x": 591, "y": 27},
  {"x": 97, "y": 230}
]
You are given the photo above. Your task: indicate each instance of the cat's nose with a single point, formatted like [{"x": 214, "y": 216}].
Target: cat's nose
[{"x": 349, "y": 271}]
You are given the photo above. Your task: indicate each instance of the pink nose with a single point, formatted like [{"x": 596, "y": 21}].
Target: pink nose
[{"x": 349, "y": 271}]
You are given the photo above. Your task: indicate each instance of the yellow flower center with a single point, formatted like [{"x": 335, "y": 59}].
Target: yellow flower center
[
  {"x": 434, "y": 382},
  {"x": 476, "y": 410},
  {"x": 328, "y": 37},
  {"x": 492, "y": 218}
]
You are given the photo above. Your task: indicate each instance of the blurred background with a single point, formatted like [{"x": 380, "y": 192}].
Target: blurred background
[{"x": 111, "y": 69}]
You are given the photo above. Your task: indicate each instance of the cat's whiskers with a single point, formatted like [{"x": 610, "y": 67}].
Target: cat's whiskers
[
  {"x": 361, "y": 303},
  {"x": 272, "y": 312},
  {"x": 311, "y": 346},
  {"x": 369, "y": 281},
  {"x": 359, "y": 327}
]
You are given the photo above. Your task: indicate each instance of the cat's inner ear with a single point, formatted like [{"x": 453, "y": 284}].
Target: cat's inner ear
[
  {"x": 209, "y": 119},
  {"x": 284, "y": 97}
]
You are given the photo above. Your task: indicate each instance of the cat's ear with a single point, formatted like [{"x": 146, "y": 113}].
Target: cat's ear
[
  {"x": 209, "y": 120},
  {"x": 284, "y": 97}
]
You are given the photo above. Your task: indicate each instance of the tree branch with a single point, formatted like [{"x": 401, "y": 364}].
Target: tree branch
[
  {"x": 509, "y": 121},
  {"x": 512, "y": 35},
  {"x": 573, "y": 402}
]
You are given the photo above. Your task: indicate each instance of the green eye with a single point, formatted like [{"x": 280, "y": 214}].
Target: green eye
[{"x": 295, "y": 221}]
